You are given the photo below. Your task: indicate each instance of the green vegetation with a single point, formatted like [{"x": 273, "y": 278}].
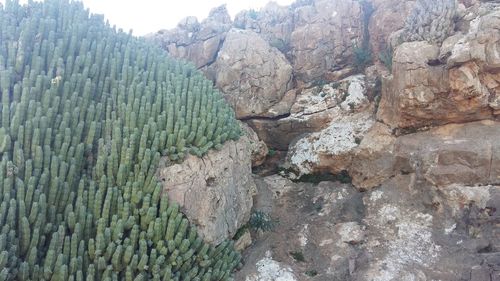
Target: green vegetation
[
  {"x": 86, "y": 114},
  {"x": 362, "y": 57},
  {"x": 386, "y": 58},
  {"x": 298, "y": 256},
  {"x": 261, "y": 220},
  {"x": 271, "y": 152},
  {"x": 311, "y": 273}
]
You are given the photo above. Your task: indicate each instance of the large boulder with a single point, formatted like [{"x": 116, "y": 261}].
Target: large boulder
[
  {"x": 458, "y": 82},
  {"x": 466, "y": 154},
  {"x": 252, "y": 75},
  {"x": 274, "y": 23},
  {"x": 215, "y": 191},
  {"x": 324, "y": 37},
  {"x": 373, "y": 161},
  {"x": 194, "y": 41}
]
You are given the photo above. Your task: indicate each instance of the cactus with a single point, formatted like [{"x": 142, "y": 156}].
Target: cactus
[
  {"x": 86, "y": 112},
  {"x": 430, "y": 20}
]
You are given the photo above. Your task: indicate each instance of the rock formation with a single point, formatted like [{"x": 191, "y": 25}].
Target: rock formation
[
  {"x": 253, "y": 75},
  {"x": 401, "y": 99},
  {"x": 215, "y": 191}
]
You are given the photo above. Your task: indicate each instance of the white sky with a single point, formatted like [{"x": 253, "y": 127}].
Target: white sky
[{"x": 146, "y": 16}]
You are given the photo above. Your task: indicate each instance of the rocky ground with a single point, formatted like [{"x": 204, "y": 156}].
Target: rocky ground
[{"x": 403, "y": 230}]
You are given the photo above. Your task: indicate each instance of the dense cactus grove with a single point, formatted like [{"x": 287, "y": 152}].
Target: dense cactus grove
[
  {"x": 431, "y": 20},
  {"x": 86, "y": 114}
]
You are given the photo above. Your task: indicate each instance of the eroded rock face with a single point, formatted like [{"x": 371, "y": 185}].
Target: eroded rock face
[
  {"x": 258, "y": 148},
  {"x": 373, "y": 161},
  {"x": 458, "y": 83},
  {"x": 194, "y": 41},
  {"x": 388, "y": 17},
  {"x": 431, "y": 20},
  {"x": 274, "y": 23},
  {"x": 466, "y": 154},
  {"x": 215, "y": 191},
  {"x": 331, "y": 149},
  {"x": 323, "y": 37},
  {"x": 313, "y": 109},
  {"x": 270, "y": 270},
  {"x": 252, "y": 75}
]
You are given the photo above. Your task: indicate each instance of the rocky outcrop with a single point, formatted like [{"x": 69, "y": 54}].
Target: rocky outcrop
[
  {"x": 252, "y": 75},
  {"x": 466, "y": 154},
  {"x": 324, "y": 36},
  {"x": 274, "y": 23},
  {"x": 194, "y": 41},
  {"x": 313, "y": 109},
  {"x": 388, "y": 17},
  {"x": 215, "y": 191},
  {"x": 373, "y": 161},
  {"x": 331, "y": 149},
  {"x": 458, "y": 82},
  {"x": 257, "y": 147},
  {"x": 415, "y": 236}
]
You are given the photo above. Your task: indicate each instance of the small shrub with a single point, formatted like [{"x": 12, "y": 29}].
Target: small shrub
[
  {"x": 386, "y": 58},
  {"x": 263, "y": 221},
  {"x": 240, "y": 232},
  {"x": 311, "y": 273},
  {"x": 298, "y": 256},
  {"x": 362, "y": 57}
]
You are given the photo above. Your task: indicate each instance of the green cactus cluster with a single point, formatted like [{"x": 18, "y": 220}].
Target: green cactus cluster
[{"x": 86, "y": 113}]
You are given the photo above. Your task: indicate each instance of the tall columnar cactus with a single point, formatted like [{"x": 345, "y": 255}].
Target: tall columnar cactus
[
  {"x": 86, "y": 114},
  {"x": 431, "y": 20}
]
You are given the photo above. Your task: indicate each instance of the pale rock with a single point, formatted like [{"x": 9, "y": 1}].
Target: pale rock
[
  {"x": 350, "y": 232},
  {"x": 460, "y": 196},
  {"x": 215, "y": 191},
  {"x": 313, "y": 109},
  {"x": 463, "y": 154},
  {"x": 194, "y": 41},
  {"x": 274, "y": 23},
  {"x": 373, "y": 161},
  {"x": 456, "y": 83},
  {"x": 271, "y": 270},
  {"x": 406, "y": 237},
  {"x": 323, "y": 37},
  {"x": 252, "y": 75},
  {"x": 258, "y": 148},
  {"x": 331, "y": 149},
  {"x": 244, "y": 241}
]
